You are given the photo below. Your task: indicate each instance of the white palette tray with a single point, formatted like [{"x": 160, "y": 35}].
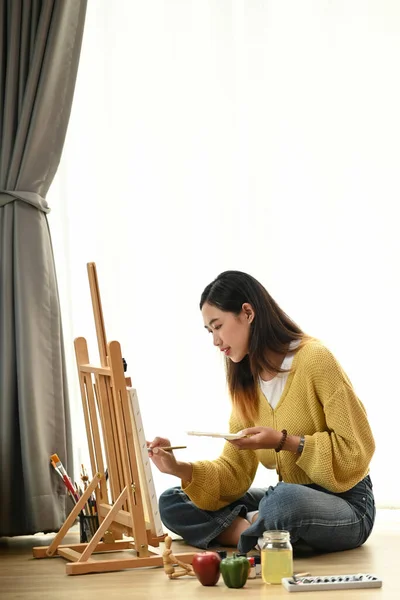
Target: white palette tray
[{"x": 227, "y": 436}]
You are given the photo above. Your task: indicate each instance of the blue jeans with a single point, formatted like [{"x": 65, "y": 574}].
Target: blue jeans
[{"x": 320, "y": 519}]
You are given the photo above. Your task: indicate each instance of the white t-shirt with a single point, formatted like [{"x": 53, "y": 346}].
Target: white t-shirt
[{"x": 273, "y": 388}]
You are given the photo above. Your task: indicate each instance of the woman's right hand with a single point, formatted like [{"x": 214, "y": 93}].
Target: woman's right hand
[{"x": 164, "y": 460}]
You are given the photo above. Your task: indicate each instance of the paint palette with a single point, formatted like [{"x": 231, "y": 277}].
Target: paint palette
[
  {"x": 227, "y": 436},
  {"x": 331, "y": 582}
]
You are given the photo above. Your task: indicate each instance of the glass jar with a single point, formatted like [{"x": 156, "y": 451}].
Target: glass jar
[{"x": 276, "y": 556}]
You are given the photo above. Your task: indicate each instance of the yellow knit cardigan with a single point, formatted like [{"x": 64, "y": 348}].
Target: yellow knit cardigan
[{"x": 318, "y": 402}]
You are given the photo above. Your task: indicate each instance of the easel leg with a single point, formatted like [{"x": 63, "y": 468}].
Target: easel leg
[
  {"x": 103, "y": 527},
  {"x": 73, "y": 515}
]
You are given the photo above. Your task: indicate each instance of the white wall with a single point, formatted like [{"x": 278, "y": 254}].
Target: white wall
[{"x": 259, "y": 136}]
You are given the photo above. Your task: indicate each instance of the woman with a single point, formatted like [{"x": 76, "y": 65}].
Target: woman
[{"x": 298, "y": 413}]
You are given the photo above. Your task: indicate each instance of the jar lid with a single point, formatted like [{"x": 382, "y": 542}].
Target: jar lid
[{"x": 276, "y": 534}]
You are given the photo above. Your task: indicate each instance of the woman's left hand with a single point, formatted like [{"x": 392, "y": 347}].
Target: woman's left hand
[{"x": 261, "y": 438}]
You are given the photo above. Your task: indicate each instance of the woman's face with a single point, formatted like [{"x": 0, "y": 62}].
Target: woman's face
[{"x": 230, "y": 332}]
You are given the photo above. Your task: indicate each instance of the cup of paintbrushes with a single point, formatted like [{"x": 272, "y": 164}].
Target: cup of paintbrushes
[{"x": 88, "y": 525}]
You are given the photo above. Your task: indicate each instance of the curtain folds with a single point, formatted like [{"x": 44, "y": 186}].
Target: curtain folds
[{"x": 40, "y": 43}]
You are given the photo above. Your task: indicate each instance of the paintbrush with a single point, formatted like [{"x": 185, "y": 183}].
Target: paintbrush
[
  {"x": 167, "y": 448},
  {"x": 84, "y": 477},
  {"x": 60, "y": 467}
]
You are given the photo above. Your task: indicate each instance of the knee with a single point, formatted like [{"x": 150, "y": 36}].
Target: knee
[
  {"x": 292, "y": 494},
  {"x": 284, "y": 503},
  {"x": 168, "y": 502}
]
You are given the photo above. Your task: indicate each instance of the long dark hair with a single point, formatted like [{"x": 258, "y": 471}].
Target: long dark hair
[{"x": 270, "y": 330}]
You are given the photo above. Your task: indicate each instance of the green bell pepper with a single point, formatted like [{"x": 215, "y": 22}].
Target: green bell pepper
[{"x": 235, "y": 571}]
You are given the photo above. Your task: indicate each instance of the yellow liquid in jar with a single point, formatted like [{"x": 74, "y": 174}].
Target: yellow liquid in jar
[{"x": 276, "y": 564}]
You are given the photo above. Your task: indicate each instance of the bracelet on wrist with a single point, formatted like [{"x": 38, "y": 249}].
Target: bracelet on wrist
[{"x": 282, "y": 442}]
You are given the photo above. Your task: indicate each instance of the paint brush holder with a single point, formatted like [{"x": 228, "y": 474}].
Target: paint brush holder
[{"x": 88, "y": 525}]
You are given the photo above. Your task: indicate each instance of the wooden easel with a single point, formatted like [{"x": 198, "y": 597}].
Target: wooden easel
[{"x": 111, "y": 428}]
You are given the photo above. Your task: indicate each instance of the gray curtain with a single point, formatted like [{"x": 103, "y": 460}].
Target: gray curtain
[{"x": 40, "y": 42}]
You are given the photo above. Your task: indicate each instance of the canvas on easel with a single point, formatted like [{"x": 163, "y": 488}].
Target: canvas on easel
[
  {"x": 127, "y": 503},
  {"x": 145, "y": 474}
]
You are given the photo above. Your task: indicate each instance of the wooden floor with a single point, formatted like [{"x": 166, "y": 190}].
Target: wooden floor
[{"x": 24, "y": 577}]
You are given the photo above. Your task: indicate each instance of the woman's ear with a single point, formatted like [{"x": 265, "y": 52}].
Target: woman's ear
[{"x": 248, "y": 311}]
